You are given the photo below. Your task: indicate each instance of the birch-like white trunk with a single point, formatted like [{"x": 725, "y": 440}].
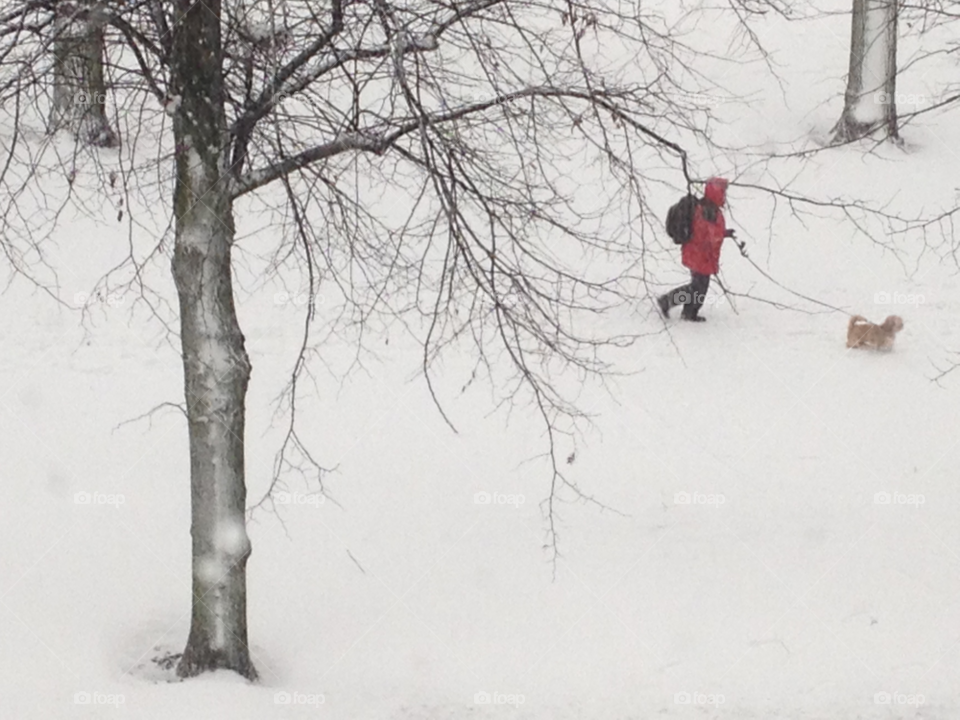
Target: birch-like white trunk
[
  {"x": 79, "y": 86},
  {"x": 215, "y": 363},
  {"x": 870, "y": 98}
]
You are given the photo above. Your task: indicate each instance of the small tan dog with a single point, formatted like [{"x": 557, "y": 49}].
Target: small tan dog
[{"x": 863, "y": 333}]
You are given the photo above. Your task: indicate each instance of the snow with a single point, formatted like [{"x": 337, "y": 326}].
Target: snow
[
  {"x": 211, "y": 570},
  {"x": 231, "y": 538},
  {"x": 260, "y": 31},
  {"x": 786, "y": 538},
  {"x": 197, "y": 172},
  {"x": 172, "y": 104}
]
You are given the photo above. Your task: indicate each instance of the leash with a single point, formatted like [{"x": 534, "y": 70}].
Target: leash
[
  {"x": 742, "y": 246},
  {"x": 726, "y": 294}
]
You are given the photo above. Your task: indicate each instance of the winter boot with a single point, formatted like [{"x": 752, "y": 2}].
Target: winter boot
[
  {"x": 692, "y": 316},
  {"x": 664, "y": 302}
]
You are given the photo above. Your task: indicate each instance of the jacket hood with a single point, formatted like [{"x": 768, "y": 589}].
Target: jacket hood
[{"x": 716, "y": 191}]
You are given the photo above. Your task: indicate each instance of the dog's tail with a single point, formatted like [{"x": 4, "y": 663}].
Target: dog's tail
[{"x": 855, "y": 339}]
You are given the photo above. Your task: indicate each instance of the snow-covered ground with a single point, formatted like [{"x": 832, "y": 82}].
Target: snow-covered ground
[{"x": 782, "y": 539}]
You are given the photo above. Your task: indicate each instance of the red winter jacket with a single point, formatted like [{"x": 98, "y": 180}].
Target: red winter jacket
[{"x": 702, "y": 253}]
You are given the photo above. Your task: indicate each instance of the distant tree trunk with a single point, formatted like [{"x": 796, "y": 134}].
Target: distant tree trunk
[
  {"x": 870, "y": 99},
  {"x": 215, "y": 363},
  {"x": 79, "y": 86}
]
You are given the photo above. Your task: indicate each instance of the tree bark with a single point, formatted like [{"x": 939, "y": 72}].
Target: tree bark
[
  {"x": 215, "y": 363},
  {"x": 79, "y": 86},
  {"x": 870, "y": 98}
]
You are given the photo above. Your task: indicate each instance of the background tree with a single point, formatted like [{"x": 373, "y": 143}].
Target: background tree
[
  {"x": 870, "y": 98},
  {"x": 933, "y": 23},
  {"x": 79, "y": 85}
]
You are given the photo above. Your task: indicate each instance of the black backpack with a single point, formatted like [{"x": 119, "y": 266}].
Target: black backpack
[{"x": 680, "y": 219}]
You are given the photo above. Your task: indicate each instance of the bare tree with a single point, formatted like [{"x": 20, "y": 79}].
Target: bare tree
[
  {"x": 933, "y": 21},
  {"x": 215, "y": 364},
  {"x": 79, "y": 86},
  {"x": 870, "y": 98}
]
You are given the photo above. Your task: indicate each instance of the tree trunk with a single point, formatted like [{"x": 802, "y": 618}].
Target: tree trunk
[
  {"x": 870, "y": 99},
  {"x": 215, "y": 364},
  {"x": 79, "y": 88}
]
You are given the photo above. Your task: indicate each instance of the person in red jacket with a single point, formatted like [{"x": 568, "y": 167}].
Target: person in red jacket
[{"x": 701, "y": 254}]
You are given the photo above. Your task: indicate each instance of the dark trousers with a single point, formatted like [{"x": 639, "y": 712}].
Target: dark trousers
[{"x": 691, "y": 295}]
